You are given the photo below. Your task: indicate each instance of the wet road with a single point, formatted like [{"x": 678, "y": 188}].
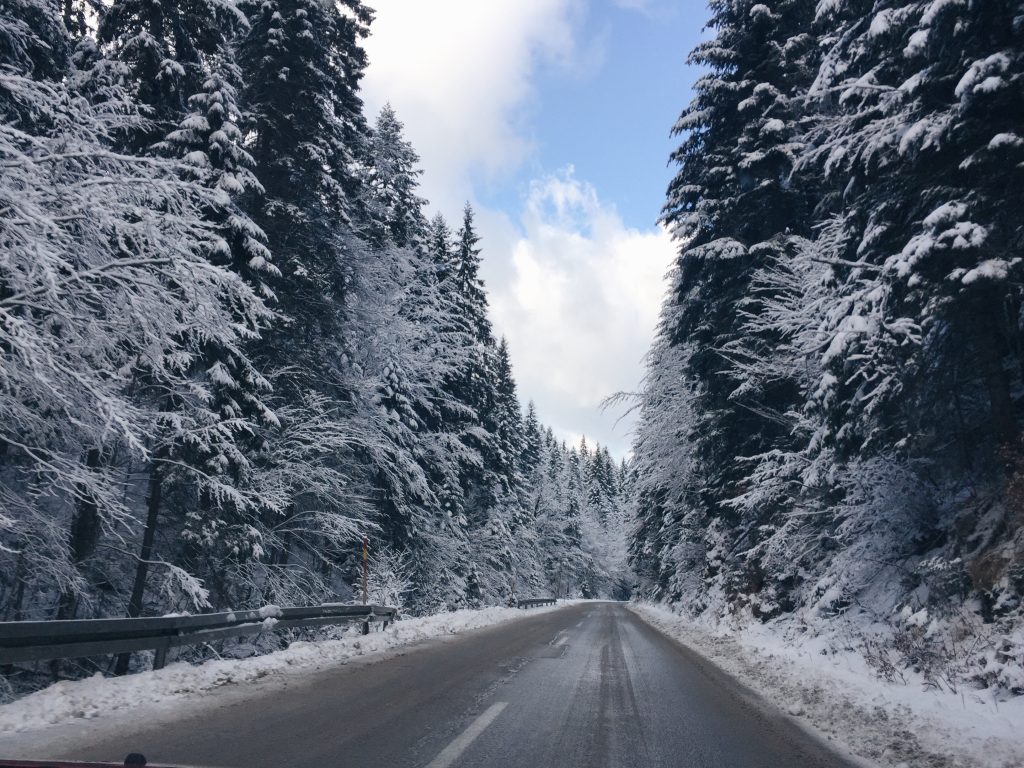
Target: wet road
[{"x": 588, "y": 685}]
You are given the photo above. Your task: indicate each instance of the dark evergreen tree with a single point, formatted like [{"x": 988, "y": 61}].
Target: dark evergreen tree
[
  {"x": 466, "y": 267},
  {"x": 736, "y": 206},
  {"x": 206, "y": 445},
  {"x": 508, "y": 422},
  {"x": 302, "y": 63},
  {"x": 533, "y": 441},
  {"x": 837, "y": 373},
  {"x": 391, "y": 184},
  {"x": 474, "y": 383},
  {"x": 454, "y": 417},
  {"x": 919, "y": 157},
  {"x": 164, "y": 49}
]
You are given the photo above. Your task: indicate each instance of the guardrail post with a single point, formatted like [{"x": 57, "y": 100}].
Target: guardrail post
[
  {"x": 366, "y": 627},
  {"x": 160, "y": 658}
]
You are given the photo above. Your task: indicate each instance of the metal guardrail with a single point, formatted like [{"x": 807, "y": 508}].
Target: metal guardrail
[
  {"x": 533, "y": 602},
  {"x": 48, "y": 640}
]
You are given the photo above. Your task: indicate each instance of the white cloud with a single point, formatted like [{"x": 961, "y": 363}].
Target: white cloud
[
  {"x": 580, "y": 305},
  {"x": 458, "y": 72},
  {"x": 575, "y": 291}
]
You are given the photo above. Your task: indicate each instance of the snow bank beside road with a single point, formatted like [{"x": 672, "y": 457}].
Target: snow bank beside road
[
  {"x": 836, "y": 694},
  {"x": 96, "y": 696}
]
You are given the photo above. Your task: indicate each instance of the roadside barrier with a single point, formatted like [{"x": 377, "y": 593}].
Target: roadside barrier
[
  {"x": 49, "y": 640},
  {"x": 533, "y": 602}
]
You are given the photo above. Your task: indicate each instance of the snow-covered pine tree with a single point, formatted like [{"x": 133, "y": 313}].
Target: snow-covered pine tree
[
  {"x": 474, "y": 383},
  {"x": 918, "y": 147},
  {"x": 209, "y": 140},
  {"x": 606, "y": 527},
  {"x": 200, "y": 446},
  {"x": 393, "y": 293},
  {"x": 395, "y": 208},
  {"x": 301, "y": 63},
  {"x": 509, "y": 439},
  {"x": 225, "y": 519},
  {"x": 477, "y": 379},
  {"x": 163, "y": 47},
  {"x": 919, "y": 142},
  {"x": 672, "y": 537},
  {"x": 454, "y": 418},
  {"x": 733, "y": 206},
  {"x": 506, "y": 543},
  {"x": 436, "y": 347},
  {"x": 869, "y": 343},
  {"x": 533, "y": 442},
  {"x": 466, "y": 268},
  {"x": 106, "y": 284},
  {"x": 572, "y": 564},
  {"x": 406, "y": 449}
]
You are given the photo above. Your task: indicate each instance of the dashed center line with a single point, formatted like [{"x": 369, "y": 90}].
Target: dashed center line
[{"x": 451, "y": 753}]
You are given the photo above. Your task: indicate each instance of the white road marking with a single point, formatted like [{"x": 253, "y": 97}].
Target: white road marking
[
  {"x": 561, "y": 638},
  {"x": 451, "y": 753}
]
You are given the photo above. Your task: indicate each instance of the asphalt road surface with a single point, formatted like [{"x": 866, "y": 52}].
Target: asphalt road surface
[{"x": 588, "y": 685}]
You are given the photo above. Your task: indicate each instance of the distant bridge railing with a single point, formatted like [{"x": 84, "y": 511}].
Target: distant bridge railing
[
  {"x": 533, "y": 602},
  {"x": 48, "y": 640}
]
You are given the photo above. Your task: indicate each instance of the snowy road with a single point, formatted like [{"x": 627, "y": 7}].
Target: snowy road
[{"x": 588, "y": 685}]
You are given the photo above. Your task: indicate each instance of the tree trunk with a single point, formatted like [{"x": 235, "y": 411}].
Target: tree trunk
[
  {"x": 997, "y": 382},
  {"x": 135, "y": 602},
  {"x": 19, "y": 589},
  {"x": 83, "y": 537}
]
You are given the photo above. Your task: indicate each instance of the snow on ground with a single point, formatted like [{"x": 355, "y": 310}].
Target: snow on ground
[
  {"x": 96, "y": 696},
  {"x": 836, "y": 695}
]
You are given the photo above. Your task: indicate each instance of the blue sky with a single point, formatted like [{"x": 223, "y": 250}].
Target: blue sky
[
  {"x": 610, "y": 117},
  {"x": 552, "y": 118}
]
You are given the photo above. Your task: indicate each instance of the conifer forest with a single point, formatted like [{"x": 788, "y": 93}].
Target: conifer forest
[
  {"x": 235, "y": 339},
  {"x": 233, "y": 343}
]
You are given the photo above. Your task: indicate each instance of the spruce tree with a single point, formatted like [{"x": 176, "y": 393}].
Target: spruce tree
[
  {"x": 922, "y": 143},
  {"x": 474, "y": 382},
  {"x": 163, "y": 49},
  {"x": 140, "y": 301},
  {"x": 508, "y": 423},
  {"x": 302, "y": 62},
  {"x": 198, "y": 90},
  {"x": 838, "y": 361},
  {"x": 533, "y": 441},
  {"x": 735, "y": 206},
  {"x": 396, "y": 210}
]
